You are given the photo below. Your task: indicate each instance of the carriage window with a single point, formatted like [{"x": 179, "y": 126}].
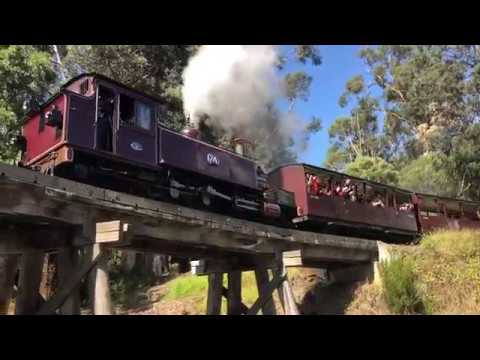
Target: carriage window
[
  {"x": 144, "y": 116},
  {"x": 127, "y": 111}
]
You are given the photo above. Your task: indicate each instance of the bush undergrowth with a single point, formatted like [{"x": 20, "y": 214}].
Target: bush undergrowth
[{"x": 400, "y": 291}]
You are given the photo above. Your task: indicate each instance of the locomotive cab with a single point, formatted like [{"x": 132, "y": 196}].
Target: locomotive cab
[{"x": 91, "y": 114}]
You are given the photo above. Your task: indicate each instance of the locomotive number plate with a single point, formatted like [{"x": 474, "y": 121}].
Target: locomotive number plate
[
  {"x": 136, "y": 146},
  {"x": 212, "y": 160}
]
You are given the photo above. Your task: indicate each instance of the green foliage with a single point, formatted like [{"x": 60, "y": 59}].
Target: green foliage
[
  {"x": 464, "y": 163},
  {"x": 400, "y": 292},
  {"x": 428, "y": 174},
  {"x": 453, "y": 243},
  {"x": 429, "y": 103},
  {"x": 297, "y": 86},
  {"x": 447, "y": 264},
  {"x": 304, "y": 52},
  {"x": 336, "y": 159},
  {"x": 129, "y": 290},
  {"x": 374, "y": 169},
  {"x": 25, "y": 78},
  {"x": 357, "y": 134},
  {"x": 192, "y": 287},
  {"x": 355, "y": 85},
  {"x": 301, "y": 53},
  {"x": 315, "y": 125},
  {"x": 187, "y": 286}
]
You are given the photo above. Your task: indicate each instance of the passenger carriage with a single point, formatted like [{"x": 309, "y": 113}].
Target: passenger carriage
[
  {"x": 340, "y": 215},
  {"x": 437, "y": 212}
]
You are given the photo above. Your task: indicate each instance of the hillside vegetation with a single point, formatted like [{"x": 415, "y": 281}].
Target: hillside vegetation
[{"x": 440, "y": 276}]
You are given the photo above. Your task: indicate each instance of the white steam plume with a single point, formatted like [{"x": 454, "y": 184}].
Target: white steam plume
[
  {"x": 234, "y": 85},
  {"x": 230, "y": 83}
]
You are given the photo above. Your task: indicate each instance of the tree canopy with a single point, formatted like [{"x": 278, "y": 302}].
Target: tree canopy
[
  {"x": 424, "y": 121},
  {"x": 26, "y": 75}
]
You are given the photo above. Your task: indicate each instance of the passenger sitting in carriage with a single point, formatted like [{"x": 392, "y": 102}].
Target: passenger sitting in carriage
[
  {"x": 312, "y": 184},
  {"x": 348, "y": 190},
  {"x": 325, "y": 190},
  {"x": 338, "y": 190},
  {"x": 406, "y": 207},
  {"x": 354, "y": 194}
]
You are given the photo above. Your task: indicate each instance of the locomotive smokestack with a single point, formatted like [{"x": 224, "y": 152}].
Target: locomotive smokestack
[
  {"x": 190, "y": 130},
  {"x": 239, "y": 149},
  {"x": 242, "y": 146}
]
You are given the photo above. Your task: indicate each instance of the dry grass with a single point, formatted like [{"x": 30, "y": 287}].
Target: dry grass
[
  {"x": 447, "y": 269},
  {"x": 368, "y": 300},
  {"x": 448, "y": 265}
]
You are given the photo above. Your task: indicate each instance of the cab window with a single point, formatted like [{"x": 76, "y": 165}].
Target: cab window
[
  {"x": 135, "y": 113},
  {"x": 144, "y": 114}
]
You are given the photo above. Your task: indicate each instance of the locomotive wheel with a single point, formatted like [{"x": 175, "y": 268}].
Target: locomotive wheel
[
  {"x": 206, "y": 198},
  {"x": 174, "y": 193}
]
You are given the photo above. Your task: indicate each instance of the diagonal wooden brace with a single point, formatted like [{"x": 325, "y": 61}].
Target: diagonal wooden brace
[
  {"x": 269, "y": 289},
  {"x": 62, "y": 294},
  {"x": 244, "y": 308}
]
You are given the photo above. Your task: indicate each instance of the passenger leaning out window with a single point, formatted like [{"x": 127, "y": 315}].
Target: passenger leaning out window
[
  {"x": 308, "y": 179},
  {"x": 338, "y": 189},
  {"x": 354, "y": 194},
  {"x": 406, "y": 207},
  {"x": 325, "y": 190},
  {"x": 378, "y": 202},
  {"x": 347, "y": 189},
  {"x": 315, "y": 185}
]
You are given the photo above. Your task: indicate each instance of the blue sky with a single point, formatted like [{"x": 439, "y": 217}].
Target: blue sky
[{"x": 340, "y": 63}]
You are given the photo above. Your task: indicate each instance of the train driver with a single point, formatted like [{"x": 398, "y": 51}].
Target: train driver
[{"x": 105, "y": 121}]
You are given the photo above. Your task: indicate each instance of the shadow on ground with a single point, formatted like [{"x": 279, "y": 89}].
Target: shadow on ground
[{"x": 315, "y": 296}]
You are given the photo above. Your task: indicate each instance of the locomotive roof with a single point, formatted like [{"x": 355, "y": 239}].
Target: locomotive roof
[
  {"x": 377, "y": 184},
  {"x": 95, "y": 75},
  {"x": 106, "y": 78}
]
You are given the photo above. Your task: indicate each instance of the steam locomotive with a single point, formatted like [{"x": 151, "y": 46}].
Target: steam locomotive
[{"x": 103, "y": 133}]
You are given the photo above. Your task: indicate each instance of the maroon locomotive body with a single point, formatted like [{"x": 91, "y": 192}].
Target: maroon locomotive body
[
  {"x": 134, "y": 134},
  {"x": 99, "y": 131}
]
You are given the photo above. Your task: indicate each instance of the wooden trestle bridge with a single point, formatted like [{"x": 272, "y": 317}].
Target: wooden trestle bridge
[{"x": 43, "y": 214}]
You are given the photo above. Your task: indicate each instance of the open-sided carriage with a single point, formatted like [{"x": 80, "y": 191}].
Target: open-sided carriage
[{"x": 341, "y": 215}]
